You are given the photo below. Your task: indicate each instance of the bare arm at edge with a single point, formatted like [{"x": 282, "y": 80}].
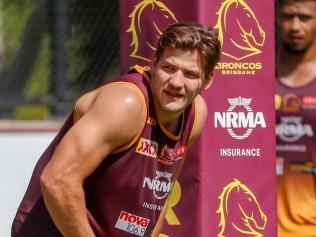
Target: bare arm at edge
[
  {"x": 100, "y": 130},
  {"x": 201, "y": 117}
]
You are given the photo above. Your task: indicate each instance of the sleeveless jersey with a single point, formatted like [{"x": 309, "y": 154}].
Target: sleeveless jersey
[
  {"x": 296, "y": 121},
  {"x": 296, "y": 149},
  {"x": 126, "y": 193}
]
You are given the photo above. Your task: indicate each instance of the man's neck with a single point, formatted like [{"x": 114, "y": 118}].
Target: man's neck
[
  {"x": 170, "y": 121},
  {"x": 296, "y": 69},
  {"x": 171, "y": 124}
]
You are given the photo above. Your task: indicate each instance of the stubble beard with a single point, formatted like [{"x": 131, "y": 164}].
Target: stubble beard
[{"x": 295, "y": 49}]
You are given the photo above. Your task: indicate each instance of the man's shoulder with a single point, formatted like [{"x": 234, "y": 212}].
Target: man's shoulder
[
  {"x": 200, "y": 105},
  {"x": 201, "y": 113},
  {"x": 138, "y": 75},
  {"x": 121, "y": 94},
  {"x": 200, "y": 118}
]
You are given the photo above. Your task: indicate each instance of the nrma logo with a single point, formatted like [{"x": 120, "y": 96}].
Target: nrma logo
[
  {"x": 160, "y": 185},
  {"x": 291, "y": 129},
  {"x": 239, "y": 120}
]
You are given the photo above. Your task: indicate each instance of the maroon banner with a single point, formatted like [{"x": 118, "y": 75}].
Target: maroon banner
[
  {"x": 227, "y": 187},
  {"x": 141, "y": 23}
]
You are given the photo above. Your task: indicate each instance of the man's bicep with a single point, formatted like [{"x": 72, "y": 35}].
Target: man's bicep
[
  {"x": 79, "y": 152},
  {"x": 111, "y": 122}
]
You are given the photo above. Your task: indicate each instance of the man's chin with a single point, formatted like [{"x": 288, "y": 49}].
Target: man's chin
[
  {"x": 295, "y": 48},
  {"x": 174, "y": 107}
]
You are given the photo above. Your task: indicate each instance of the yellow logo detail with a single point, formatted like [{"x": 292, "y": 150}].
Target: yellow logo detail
[
  {"x": 157, "y": 8},
  {"x": 240, "y": 211},
  {"x": 239, "y": 30},
  {"x": 277, "y": 101},
  {"x": 174, "y": 199},
  {"x": 147, "y": 147}
]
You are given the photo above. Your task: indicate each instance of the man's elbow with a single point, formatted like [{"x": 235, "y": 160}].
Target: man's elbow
[
  {"x": 52, "y": 184},
  {"x": 59, "y": 186}
]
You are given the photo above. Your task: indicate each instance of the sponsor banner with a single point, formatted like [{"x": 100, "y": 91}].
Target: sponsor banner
[
  {"x": 141, "y": 23},
  {"x": 132, "y": 224},
  {"x": 234, "y": 160},
  {"x": 309, "y": 101},
  {"x": 160, "y": 185},
  {"x": 147, "y": 147},
  {"x": 292, "y": 103},
  {"x": 238, "y": 144},
  {"x": 291, "y": 129},
  {"x": 166, "y": 156},
  {"x": 239, "y": 116}
]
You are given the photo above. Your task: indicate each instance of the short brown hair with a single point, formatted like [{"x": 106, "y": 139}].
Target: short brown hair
[{"x": 192, "y": 36}]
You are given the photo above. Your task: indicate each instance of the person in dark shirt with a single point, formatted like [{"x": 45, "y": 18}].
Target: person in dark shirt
[{"x": 296, "y": 117}]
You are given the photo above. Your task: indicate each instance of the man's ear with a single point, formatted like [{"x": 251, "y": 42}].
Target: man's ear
[{"x": 209, "y": 80}]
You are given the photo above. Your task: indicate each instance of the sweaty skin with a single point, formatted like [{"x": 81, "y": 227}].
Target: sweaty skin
[{"x": 93, "y": 137}]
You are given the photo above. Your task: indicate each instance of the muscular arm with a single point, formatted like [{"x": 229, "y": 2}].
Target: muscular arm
[
  {"x": 201, "y": 117},
  {"x": 100, "y": 130}
]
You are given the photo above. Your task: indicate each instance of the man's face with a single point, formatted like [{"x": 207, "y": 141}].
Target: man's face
[
  {"x": 297, "y": 21},
  {"x": 177, "y": 79}
]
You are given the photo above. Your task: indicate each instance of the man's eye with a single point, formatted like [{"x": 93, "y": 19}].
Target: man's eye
[
  {"x": 191, "y": 75},
  {"x": 305, "y": 18},
  {"x": 167, "y": 68},
  {"x": 287, "y": 17}
]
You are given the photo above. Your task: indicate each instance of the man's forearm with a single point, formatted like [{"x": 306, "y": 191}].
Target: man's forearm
[{"x": 68, "y": 211}]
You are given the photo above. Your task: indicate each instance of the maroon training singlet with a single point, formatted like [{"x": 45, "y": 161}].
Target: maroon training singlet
[
  {"x": 126, "y": 193},
  {"x": 296, "y": 122},
  {"x": 296, "y": 152}
]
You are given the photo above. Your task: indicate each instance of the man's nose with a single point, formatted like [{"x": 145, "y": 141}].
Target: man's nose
[
  {"x": 176, "y": 79},
  {"x": 295, "y": 24}
]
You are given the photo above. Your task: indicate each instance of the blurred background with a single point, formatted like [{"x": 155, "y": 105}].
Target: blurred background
[{"x": 51, "y": 52}]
